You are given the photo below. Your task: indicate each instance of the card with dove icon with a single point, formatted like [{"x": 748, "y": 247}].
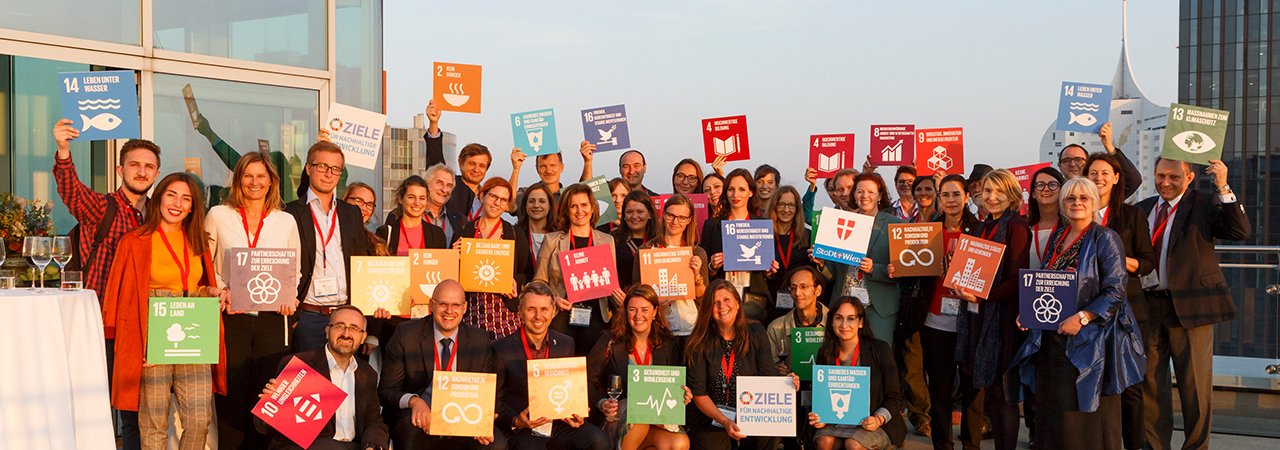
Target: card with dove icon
[
  {"x": 606, "y": 127},
  {"x": 748, "y": 245}
]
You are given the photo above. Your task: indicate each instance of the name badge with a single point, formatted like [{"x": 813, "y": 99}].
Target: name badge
[
  {"x": 580, "y": 316},
  {"x": 861, "y": 294},
  {"x": 731, "y": 414},
  {"x": 950, "y": 306},
  {"x": 973, "y": 308},
  {"x": 784, "y": 300},
  {"x": 324, "y": 286},
  {"x": 673, "y": 318},
  {"x": 544, "y": 430},
  {"x": 1151, "y": 280}
]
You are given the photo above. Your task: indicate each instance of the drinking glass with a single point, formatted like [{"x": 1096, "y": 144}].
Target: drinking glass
[
  {"x": 29, "y": 245},
  {"x": 72, "y": 280},
  {"x": 41, "y": 255},
  {"x": 615, "y": 391},
  {"x": 61, "y": 253}
]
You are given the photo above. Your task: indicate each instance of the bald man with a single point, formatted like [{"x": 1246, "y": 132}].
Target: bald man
[{"x": 409, "y": 361}]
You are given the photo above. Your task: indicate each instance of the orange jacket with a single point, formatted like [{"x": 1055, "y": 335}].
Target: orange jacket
[{"x": 125, "y": 310}]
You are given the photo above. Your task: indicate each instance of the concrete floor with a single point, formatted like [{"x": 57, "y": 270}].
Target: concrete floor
[{"x": 1217, "y": 441}]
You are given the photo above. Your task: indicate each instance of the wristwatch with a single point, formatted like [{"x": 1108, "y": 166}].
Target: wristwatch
[
  {"x": 1084, "y": 318},
  {"x": 1224, "y": 189}
]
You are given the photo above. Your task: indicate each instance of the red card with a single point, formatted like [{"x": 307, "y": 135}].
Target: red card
[
  {"x": 893, "y": 145},
  {"x": 700, "y": 211},
  {"x": 828, "y": 153},
  {"x": 1024, "y": 174},
  {"x": 726, "y": 136},
  {"x": 303, "y": 403},
  {"x": 589, "y": 273},
  {"x": 940, "y": 149}
]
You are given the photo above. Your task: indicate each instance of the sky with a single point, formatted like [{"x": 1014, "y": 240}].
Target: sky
[{"x": 793, "y": 68}]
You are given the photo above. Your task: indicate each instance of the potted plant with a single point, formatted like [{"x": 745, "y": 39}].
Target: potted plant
[{"x": 20, "y": 218}]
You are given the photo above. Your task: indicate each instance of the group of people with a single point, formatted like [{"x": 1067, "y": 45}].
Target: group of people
[{"x": 1102, "y": 380}]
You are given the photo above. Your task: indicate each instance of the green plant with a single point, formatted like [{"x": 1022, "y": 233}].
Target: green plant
[{"x": 20, "y": 218}]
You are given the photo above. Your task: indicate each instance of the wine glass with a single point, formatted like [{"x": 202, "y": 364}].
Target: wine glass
[
  {"x": 615, "y": 391},
  {"x": 61, "y": 253},
  {"x": 29, "y": 245},
  {"x": 41, "y": 256}
]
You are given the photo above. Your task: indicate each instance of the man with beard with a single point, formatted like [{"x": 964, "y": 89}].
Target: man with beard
[
  {"x": 418, "y": 349},
  {"x": 473, "y": 163},
  {"x": 356, "y": 424},
  {"x": 537, "y": 341},
  {"x": 103, "y": 219}
]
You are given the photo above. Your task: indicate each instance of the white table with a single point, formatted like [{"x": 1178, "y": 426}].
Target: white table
[{"x": 53, "y": 371}]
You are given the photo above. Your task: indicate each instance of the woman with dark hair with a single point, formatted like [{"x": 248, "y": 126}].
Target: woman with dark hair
[
  {"x": 537, "y": 208},
  {"x": 1129, "y": 222},
  {"x": 723, "y": 347},
  {"x": 495, "y": 313},
  {"x": 1080, "y": 371},
  {"x": 618, "y": 189},
  {"x": 739, "y": 202},
  {"x": 986, "y": 331},
  {"x": 1042, "y": 213},
  {"x": 167, "y": 256},
  {"x": 407, "y": 232},
  {"x": 791, "y": 242},
  {"x": 361, "y": 196},
  {"x": 639, "y": 337},
  {"x": 767, "y": 181},
  {"x": 576, "y": 213},
  {"x": 905, "y": 206},
  {"x": 908, "y": 347},
  {"x": 687, "y": 177},
  {"x": 848, "y": 341},
  {"x": 677, "y": 230},
  {"x": 713, "y": 186},
  {"x": 870, "y": 281},
  {"x": 641, "y": 222},
  {"x": 925, "y": 192}
]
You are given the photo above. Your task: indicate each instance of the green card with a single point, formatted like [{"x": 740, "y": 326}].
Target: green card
[
  {"x": 654, "y": 395},
  {"x": 804, "y": 345},
  {"x": 1194, "y": 134},
  {"x": 813, "y": 227},
  {"x": 600, "y": 188},
  {"x": 182, "y": 330}
]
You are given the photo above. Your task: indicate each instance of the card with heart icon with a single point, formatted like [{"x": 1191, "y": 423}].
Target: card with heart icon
[{"x": 655, "y": 395}]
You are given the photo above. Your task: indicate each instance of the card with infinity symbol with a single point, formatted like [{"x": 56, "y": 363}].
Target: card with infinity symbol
[
  {"x": 262, "y": 279},
  {"x": 462, "y": 404},
  {"x": 1046, "y": 298},
  {"x": 915, "y": 249}
]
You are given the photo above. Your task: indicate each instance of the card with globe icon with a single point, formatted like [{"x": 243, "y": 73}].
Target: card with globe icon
[
  {"x": 1046, "y": 298},
  {"x": 1194, "y": 134},
  {"x": 183, "y": 330},
  {"x": 260, "y": 277}
]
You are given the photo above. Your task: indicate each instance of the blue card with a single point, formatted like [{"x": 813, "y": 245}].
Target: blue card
[
  {"x": 841, "y": 394},
  {"x": 747, "y": 244},
  {"x": 1084, "y": 107},
  {"x": 535, "y": 132},
  {"x": 101, "y": 105},
  {"x": 1046, "y": 298},
  {"x": 606, "y": 127}
]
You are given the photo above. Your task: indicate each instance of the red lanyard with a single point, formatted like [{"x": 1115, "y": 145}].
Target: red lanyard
[
  {"x": 786, "y": 260},
  {"x": 491, "y": 232},
  {"x": 184, "y": 265},
  {"x": 591, "y": 240},
  {"x": 453, "y": 353},
  {"x": 642, "y": 362},
  {"x": 324, "y": 242},
  {"x": 252, "y": 237},
  {"x": 1060, "y": 250},
  {"x": 531, "y": 252},
  {"x": 726, "y": 363},
  {"x": 988, "y": 236},
  {"x": 529, "y": 353},
  {"x": 853, "y": 362},
  {"x": 1035, "y": 233},
  {"x": 1106, "y": 217},
  {"x": 405, "y": 236},
  {"x": 1156, "y": 233}
]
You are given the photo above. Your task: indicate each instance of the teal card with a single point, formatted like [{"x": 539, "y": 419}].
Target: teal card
[
  {"x": 535, "y": 132},
  {"x": 841, "y": 394}
]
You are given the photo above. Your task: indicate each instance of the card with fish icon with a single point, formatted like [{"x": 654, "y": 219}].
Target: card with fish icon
[
  {"x": 101, "y": 105},
  {"x": 1084, "y": 107}
]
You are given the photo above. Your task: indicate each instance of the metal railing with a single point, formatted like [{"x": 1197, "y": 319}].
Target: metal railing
[{"x": 1271, "y": 289}]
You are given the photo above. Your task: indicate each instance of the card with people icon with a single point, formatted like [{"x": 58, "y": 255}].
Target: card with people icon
[{"x": 589, "y": 273}]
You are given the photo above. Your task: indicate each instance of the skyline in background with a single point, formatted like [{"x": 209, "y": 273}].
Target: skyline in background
[{"x": 793, "y": 70}]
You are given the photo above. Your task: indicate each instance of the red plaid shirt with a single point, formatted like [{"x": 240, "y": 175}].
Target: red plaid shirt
[{"x": 88, "y": 206}]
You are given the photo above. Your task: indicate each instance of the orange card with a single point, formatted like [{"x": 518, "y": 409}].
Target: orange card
[
  {"x": 974, "y": 265},
  {"x": 667, "y": 271},
  {"x": 456, "y": 87},
  {"x": 427, "y": 268}
]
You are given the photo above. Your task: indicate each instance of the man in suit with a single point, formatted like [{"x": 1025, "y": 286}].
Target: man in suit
[
  {"x": 357, "y": 423},
  {"x": 410, "y": 359},
  {"x": 440, "y": 187},
  {"x": 1186, "y": 295},
  {"x": 325, "y": 267},
  {"x": 537, "y": 341},
  {"x": 473, "y": 164}
]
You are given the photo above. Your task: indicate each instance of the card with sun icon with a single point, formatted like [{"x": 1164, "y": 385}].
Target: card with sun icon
[
  {"x": 487, "y": 265},
  {"x": 380, "y": 282}
]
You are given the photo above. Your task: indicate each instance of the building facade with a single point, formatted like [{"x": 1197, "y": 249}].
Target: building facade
[{"x": 404, "y": 154}]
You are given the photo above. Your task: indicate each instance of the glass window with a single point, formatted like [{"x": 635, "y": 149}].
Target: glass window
[
  {"x": 1252, "y": 78},
  {"x": 117, "y": 21},
  {"x": 1254, "y": 27},
  {"x": 359, "y": 53},
  {"x": 290, "y": 33}
]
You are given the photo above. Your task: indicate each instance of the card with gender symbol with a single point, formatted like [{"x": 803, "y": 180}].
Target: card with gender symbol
[
  {"x": 655, "y": 395},
  {"x": 915, "y": 249},
  {"x": 589, "y": 273},
  {"x": 261, "y": 277},
  {"x": 558, "y": 388},
  {"x": 380, "y": 282},
  {"x": 302, "y": 404},
  {"x": 841, "y": 394},
  {"x": 1046, "y": 298},
  {"x": 462, "y": 404},
  {"x": 939, "y": 149}
]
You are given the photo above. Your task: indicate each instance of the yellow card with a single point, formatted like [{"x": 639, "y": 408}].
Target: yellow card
[
  {"x": 462, "y": 404},
  {"x": 380, "y": 282},
  {"x": 487, "y": 265},
  {"x": 558, "y": 388},
  {"x": 427, "y": 268}
]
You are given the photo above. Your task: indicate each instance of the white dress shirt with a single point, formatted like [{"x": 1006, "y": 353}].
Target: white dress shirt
[
  {"x": 1163, "y": 246},
  {"x": 226, "y": 231},
  {"x": 329, "y": 262},
  {"x": 344, "y": 420}
]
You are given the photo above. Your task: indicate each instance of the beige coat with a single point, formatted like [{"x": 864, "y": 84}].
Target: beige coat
[{"x": 549, "y": 266}]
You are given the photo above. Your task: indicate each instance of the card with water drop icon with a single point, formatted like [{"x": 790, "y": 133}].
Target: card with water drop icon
[
  {"x": 1084, "y": 107},
  {"x": 456, "y": 87},
  {"x": 183, "y": 330},
  {"x": 841, "y": 394},
  {"x": 101, "y": 105},
  {"x": 534, "y": 132}
]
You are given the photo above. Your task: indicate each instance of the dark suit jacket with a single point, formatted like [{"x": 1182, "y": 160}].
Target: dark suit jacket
[
  {"x": 459, "y": 203},
  {"x": 409, "y": 359},
  {"x": 513, "y": 373},
  {"x": 1132, "y": 227},
  {"x": 368, "y": 424},
  {"x": 1199, "y": 290},
  {"x": 1132, "y": 178},
  {"x": 703, "y": 369},
  {"x": 432, "y": 235},
  {"x": 612, "y": 358},
  {"x": 353, "y": 244},
  {"x": 524, "y": 253},
  {"x": 886, "y": 385}
]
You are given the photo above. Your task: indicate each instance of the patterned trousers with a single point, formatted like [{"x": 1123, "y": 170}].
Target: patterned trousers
[{"x": 193, "y": 384}]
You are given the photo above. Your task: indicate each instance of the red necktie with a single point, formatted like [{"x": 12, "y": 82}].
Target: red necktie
[{"x": 1161, "y": 224}]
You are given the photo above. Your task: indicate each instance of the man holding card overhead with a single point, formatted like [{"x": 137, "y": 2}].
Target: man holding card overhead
[{"x": 418, "y": 349}]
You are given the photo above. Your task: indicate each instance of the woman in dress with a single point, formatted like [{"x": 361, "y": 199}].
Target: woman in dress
[
  {"x": 493, "y": 312},
  {"x": 575, "y": 214}
]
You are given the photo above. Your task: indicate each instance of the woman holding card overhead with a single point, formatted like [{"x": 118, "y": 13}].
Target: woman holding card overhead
[
  {"x": 495, "y": 313},
  {"x": 167, "y": 256},
  {"x": 847, "y": 341},
  {"x": 1078, "y": 409},
  {"x": 739, "y": 202},
  {"x": 722, "y": 348},
  {"x": 677, "y": 231},
  {"x": 870, "y": 281},
  {"x": 250, "y": 217},
  {"x": 584, "y": 321},
  {"x": 637, "y": 336}
]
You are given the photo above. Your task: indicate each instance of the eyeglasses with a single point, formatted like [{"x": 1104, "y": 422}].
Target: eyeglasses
[
  {"x": 800, "y": 286},
  {"x": 450, "y": 306},
  {"x": 360, "y": 203},
  {"x": 498, "y": 200},
  {"x": 904, "y": 182},
  {"x": 682, "y": 178},
  {"x": 788, "y": 205},
  {"x": 345, "y": 328},
  {"x": 333, "y": 170},
  {"x": 1071, "y": 161},
  {"x": 678, "y": 219},
  {"x": 1049, "y": 186}
]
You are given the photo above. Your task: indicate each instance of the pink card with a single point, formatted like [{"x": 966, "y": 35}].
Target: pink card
[
  {"x": 303, "y": 403},
  {"x": 589, "y": 273},
  {"x": 828, "y": 153}
]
